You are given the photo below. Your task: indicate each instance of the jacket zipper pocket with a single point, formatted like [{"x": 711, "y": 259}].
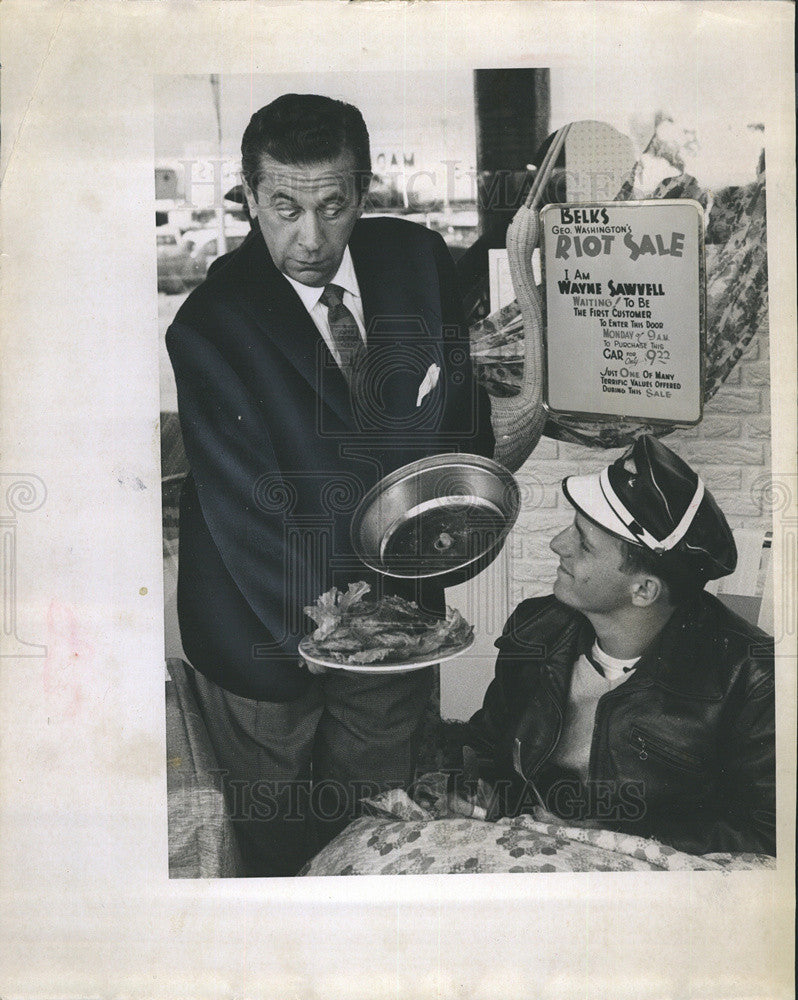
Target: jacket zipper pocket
[{"x": 647, "y": 746}]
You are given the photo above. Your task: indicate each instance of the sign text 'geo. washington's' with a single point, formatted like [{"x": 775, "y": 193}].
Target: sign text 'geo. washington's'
[{"x": 624, "y": 309}]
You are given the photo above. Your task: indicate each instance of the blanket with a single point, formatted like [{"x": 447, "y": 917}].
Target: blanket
[{"x": 422, "y": 835}]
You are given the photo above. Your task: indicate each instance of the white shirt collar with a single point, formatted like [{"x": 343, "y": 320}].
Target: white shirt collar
[
  {"x": 612, "y": 666},
  {"x": 344, "y": 277}
]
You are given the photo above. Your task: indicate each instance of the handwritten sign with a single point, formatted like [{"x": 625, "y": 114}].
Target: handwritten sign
[{"x": 624, "y": 309}]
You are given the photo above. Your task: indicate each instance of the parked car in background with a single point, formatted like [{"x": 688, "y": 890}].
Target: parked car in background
[
  {"x": 202, "y": 245},
  {"x": 183, "y": 259},
  {"x": 176, "y": 270}
]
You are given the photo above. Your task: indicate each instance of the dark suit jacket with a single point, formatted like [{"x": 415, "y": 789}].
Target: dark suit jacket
[{"x": 279, "y": 454}]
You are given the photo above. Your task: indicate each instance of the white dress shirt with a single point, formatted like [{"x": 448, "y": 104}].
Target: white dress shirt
[{"x": 345, "y": 278}]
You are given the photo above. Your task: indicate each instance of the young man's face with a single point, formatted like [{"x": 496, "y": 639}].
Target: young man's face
[
  {"x": 589, "y": 577},
  {"x": 306, "y": 214}
]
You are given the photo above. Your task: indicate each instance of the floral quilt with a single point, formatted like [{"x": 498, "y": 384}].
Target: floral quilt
[{"x": 407, "y": 837}]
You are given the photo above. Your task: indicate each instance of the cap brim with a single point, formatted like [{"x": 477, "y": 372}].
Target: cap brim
[{"x": 586, "y": 495}]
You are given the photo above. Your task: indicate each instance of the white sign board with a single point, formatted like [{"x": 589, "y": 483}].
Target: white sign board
[{"x": 625, "y": 311}]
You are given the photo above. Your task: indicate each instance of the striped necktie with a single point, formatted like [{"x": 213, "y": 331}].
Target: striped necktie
[{"x": 344, "y": 330}]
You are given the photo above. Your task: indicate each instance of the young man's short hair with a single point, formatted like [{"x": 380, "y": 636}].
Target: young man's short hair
[
  {"x": 683, "y": 581},
  {"x": 305, "y": 129}
]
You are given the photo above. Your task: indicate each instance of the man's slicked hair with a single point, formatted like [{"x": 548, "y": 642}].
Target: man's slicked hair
[{"x": 304, "y": 129}]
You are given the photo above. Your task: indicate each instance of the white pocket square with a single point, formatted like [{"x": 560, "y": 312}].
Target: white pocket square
[{"x": 428, "y": 383}]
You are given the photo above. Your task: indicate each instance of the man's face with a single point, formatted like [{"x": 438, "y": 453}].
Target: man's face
[
  {"x": 306, "y": 214},
  {"x": 589, "y": 577}
]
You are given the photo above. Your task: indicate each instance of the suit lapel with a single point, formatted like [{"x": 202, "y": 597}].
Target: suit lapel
[
  {"x": 280, "y": 310},
  {"x": 400, "y": 307},
  {"x": 391, "y": 283},
  {"x": 402, "y": 325}
]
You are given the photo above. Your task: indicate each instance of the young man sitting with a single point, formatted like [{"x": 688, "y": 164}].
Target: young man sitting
[{"x": 631, "y": 698}]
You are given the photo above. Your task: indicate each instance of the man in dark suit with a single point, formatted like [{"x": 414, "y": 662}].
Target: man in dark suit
[{"x": 325, "y": 352}]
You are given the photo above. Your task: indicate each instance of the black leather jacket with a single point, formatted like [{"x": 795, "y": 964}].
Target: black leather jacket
[{"x": 684, "y": 750}]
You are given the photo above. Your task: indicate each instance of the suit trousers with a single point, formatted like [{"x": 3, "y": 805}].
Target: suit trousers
[{"x": 294, "y": 772}]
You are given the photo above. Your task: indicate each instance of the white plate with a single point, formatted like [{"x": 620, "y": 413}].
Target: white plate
[{"x": 386, "y": 666}]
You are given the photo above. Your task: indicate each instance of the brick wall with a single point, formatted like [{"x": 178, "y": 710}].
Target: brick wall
[{"x": 730, "y": 448}]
